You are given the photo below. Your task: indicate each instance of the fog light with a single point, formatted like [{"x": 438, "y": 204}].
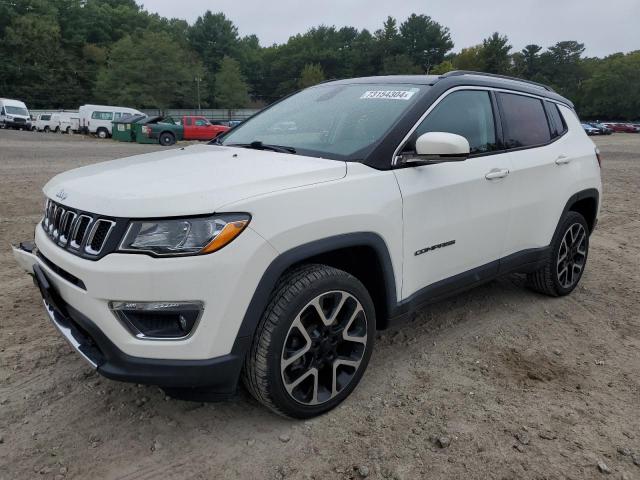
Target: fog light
[{"x": 158, "y": 320}]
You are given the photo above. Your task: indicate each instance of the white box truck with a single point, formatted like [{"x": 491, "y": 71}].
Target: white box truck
[{"x": 67, "y": 122}]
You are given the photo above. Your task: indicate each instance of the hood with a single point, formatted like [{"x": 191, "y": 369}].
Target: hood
[{"x": 186, "y": 181}]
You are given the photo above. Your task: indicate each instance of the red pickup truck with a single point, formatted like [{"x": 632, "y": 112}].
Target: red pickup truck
[
  {"x": 199, "y": 128},
  {"x": 169, "y": 130}
]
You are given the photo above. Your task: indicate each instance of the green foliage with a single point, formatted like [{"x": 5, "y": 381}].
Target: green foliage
[
  {"x": 152, "y": 71},
  {"x": 213, "y": 36},
  {"x": 495, "y": 54},
  {"x": 231, "y": 88},
  {"x": 400, "y": 65},
  {"x": 470, "y": 59},
  {"x": 443, "y": 67},
  {"x": 312, "y": 74},
  {"x": 611, "y": 91},
  {"x": 63, "y": 53},
  {"x": 426, "y": 42}
]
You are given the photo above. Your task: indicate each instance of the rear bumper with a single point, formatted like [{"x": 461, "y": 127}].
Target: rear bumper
[{"x": 219, "y": 374}]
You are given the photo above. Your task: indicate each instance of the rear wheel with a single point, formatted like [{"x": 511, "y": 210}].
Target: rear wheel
[
  {"x": 313, "y": 342},
  {"x": 47, "y": 129},
  {"x": 166, "y": 139},
  {"x": 567, "y": 260}
]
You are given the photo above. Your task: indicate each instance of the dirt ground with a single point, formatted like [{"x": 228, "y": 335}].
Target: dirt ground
[{"x": 498, "y": 382}]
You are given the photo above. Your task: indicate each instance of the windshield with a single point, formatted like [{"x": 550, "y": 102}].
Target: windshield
[
  {"x": 333, "y": 121},
  {"x": 16, "y": 111}
]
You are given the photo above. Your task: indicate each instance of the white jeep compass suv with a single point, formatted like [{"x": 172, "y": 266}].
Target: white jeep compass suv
[{"x": 274, "y": 253}]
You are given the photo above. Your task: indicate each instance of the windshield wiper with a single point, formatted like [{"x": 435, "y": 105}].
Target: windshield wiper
[{"x": 258, "y": 145}]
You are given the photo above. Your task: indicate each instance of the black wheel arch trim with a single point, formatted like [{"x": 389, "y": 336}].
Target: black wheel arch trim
[
  {"x": 299, "y": 254},
  {"x": 592, "y": 193}
]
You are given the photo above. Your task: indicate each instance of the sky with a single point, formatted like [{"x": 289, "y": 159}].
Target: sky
[{"x": 604, "y": 26}]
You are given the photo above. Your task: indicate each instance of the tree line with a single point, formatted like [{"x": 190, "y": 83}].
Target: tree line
[{"x": 64, "y": 53}]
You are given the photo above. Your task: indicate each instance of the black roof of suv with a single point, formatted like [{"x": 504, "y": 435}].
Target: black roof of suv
[{"x": 464, "y": 77}]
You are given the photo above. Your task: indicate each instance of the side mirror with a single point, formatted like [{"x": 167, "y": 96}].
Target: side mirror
[{"x": 437, "y": 147}]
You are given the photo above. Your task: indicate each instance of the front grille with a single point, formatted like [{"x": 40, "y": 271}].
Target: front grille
[
  {"x": 82, "y": 233},
  {"x": 19, "y": 120}
]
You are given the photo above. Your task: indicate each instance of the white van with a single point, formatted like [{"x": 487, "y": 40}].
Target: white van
[
  {"x": 14, "y": 114},
  {"x": 46, "y": 123},
  {"x": 97, "y": 118}
]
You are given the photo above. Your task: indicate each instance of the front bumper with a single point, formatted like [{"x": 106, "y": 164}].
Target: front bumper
[
  {"x": 76, "y": 293},
  {"x": 219, "y": 374},
  {"x": 14, "y": 124}
]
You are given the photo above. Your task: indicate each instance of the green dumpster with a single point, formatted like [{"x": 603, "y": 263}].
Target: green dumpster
[{"x": 123, "y": 128}]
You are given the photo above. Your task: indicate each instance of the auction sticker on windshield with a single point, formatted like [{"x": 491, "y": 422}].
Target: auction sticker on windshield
[{"x": 388, "y": 94}]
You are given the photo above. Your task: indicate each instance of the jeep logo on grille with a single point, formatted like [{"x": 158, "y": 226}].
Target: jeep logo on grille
[{"x": 62, "y": 195}]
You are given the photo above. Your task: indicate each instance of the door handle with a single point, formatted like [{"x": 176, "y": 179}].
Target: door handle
[
  {"x": 562, "y": 160},
  {"x": 497, "y": 173}
]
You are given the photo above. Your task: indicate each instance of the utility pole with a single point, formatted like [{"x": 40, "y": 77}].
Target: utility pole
[{"x": 197, "y": 79}]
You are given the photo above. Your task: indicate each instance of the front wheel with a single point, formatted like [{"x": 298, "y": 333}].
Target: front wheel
[
  {"x": 567, "y": 260},
  {"x": 313, "y": 342},
  {"x": 102, "y": 133},
  {"x": 46, "y": 129}
]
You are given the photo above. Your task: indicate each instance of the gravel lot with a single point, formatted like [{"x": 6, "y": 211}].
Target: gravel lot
[{"x": 499, "y": 382}]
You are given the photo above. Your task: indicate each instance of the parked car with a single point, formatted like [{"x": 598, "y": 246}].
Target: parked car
[
  {"x": 168, "y": 131},
  {"x": 602, "y": 128},
  {"x": 14, "y": 114},
  {"x": 623, "y": 127},
  {"x": 590, "y": 130},
  {"x": 98, "y": 119},
  {"x": 273, "y": 257}
]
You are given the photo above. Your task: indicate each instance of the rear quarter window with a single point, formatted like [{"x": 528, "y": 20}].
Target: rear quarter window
[
  {"x": 524, "y": 120},
  {"x": 558, "y": 125}
]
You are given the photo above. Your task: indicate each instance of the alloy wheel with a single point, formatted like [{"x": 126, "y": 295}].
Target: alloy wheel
[
  {"x": 324, "y": 347},
  {"x": 572, "y": 255}
]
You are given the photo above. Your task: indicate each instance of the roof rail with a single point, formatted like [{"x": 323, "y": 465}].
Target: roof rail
[{"x": 456, "y": 73}]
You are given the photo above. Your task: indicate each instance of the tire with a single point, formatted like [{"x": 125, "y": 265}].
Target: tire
[
  {"x": 102, "y": 133},
  {"x": 565, "y": 264},
  {"x": 67, "y": 130},
  {"x": 166, "y": 139},
  {"x": 46, "y": 129},
  {"x": 57, "y": 130},
  {"x": 279, "y": 339}
]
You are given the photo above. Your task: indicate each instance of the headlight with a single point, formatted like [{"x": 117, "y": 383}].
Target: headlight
[{"x": 184, "y": 236}]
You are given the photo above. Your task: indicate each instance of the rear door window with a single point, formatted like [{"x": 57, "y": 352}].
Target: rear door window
[
  {"x": 467, "y": 113},
  {"x": 524, "y": 121}
]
